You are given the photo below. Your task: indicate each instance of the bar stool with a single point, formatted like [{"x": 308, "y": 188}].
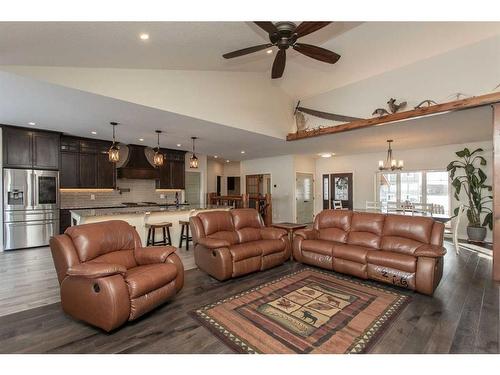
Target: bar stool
[
  {"x": 165, "y": 227},
  {"x": 187, "y": 237}
]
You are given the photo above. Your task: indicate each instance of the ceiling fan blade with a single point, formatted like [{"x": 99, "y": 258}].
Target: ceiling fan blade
[
  {"x": 267, "y": 26},
  {"x": 327, "y": 116},
  {"x": 246, "y": 51},
  {"x": 307, "y": 27},
  {"x": 317, "y": 53},
  {"x": 279, "y": 64}
]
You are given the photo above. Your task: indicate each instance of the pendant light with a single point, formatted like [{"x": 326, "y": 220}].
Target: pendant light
[
  {"x": 114, "y": 150},
  {"x": 158, "y": 157},
  {"x": 193, "y": 160},
  {"x": 390, "y": 163}
]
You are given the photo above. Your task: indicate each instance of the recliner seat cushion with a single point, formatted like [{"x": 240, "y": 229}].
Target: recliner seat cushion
[
  {"x": 144, "y": 279},
  {"x": 268, "y": 247},
  {"x": 407, "y": 263},
  {"x": 318, "y": 246},
  {"x": 229, "y": 236},
  {"x": 248, "y": 234},
  {"x": 351, "y": 252},
  {"x": 399, "y": 245},
  {"x": 125, "y": 258},
  {"x": 244, "y": 251}
]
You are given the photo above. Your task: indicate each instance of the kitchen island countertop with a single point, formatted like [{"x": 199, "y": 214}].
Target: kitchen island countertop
[{"x": 93, "y": 212}]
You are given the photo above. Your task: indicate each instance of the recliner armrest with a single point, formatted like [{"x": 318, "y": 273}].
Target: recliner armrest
[
  {"x": 153, "y": 255},
  {"x": 272, "y": 233},
  {"x": 307, "y": 234},
  {"x": 96, "y": 270},
  {"x": 213, "y": 243},
  {"x": 431, "y": 251}
]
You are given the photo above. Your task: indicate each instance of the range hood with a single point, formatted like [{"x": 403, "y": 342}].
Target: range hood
[{"x": 137, "y": 164}]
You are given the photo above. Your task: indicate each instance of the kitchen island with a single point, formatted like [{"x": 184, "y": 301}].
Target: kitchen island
[{"x": 140, "y": 216}]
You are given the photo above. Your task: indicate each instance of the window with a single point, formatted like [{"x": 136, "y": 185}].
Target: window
[{"x": 422, "y": 187}]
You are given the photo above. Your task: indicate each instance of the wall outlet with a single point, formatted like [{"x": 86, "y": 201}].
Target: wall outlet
[{"x": 92, "y": 197}]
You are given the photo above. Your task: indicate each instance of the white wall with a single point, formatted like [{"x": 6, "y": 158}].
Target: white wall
[
  {"x": 223, "y": 169},
  {"x": 282, "y": 170},
  {"x": 364, "y": 168}
]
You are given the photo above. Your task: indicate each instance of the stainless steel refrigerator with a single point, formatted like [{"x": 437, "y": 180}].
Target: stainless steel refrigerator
[{"x": 30, "y": 207}]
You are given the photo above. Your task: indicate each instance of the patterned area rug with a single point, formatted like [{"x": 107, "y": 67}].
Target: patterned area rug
[{"x": 309, "y": 311}]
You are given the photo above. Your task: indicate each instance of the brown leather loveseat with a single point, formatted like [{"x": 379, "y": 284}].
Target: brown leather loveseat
[
  {"x": 107, "y": 278},
  {"x": 234, "y": 243},
  {"x": 406, "y": 251}
]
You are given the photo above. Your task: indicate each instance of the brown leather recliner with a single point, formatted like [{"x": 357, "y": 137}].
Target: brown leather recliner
[
  {"x": 406, "y": 251},
  {"x": 234, "y": 243},
  {"x": 107, "y": 278}
]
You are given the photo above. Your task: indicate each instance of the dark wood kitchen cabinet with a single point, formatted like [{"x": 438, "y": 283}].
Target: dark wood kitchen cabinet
[
  {"x": 26, "y": 148},
  {"x": 85, "y": 164},
  {"x": 173, "y": 171}
]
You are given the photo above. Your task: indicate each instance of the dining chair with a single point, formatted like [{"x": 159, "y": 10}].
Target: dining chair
[{"x": 337, "y": 205}]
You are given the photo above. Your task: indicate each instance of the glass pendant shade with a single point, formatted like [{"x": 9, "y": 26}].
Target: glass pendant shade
[
  {"x": 114, "y": 151},
  {"x": 158, "y": 157},
  {"x": 193, "y": 160}
]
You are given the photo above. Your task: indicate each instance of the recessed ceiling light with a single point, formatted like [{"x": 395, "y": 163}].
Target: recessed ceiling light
[
  {"x": 94, "y": 132},
  {"x": 215, "y": 156},
  {"x": 32, "y": 123},
  {"x": 327, "y": 154},
  {"x": 179, "y": 145},
  {"x": 144, "y": 36},
  {"x": 269, "y": 51},
  {"x": 227, "y": 161},
  {"x": 141, "y": 139},
  {"x": 242, "y": 151}
]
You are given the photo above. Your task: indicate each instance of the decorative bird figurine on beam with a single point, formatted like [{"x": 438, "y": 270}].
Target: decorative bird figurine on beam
[
  {"x": 393, "y": 107},
  {"x": 427, "y": 101},
  {"x": 380, "y": 112}
]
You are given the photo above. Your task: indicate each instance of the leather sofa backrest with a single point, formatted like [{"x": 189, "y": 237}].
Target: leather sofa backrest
[
  {"x": 92, "y": 241},
  {"x": 333, "y": 225},
  {"x": 219, "y": 225},
  {"x": 366, "y": 230},
  {"x": 247, "y": 223},
  {"x": 404, "y": 234}
]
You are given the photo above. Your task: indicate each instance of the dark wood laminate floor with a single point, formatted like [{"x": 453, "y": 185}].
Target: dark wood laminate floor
[{"x": 462, "y": 317}]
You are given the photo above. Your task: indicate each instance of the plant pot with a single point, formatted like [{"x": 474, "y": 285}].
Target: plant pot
[{"x": 476, "y": 234}]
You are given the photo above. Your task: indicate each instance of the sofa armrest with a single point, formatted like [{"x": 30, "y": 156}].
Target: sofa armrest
[
  {"x": 96, "y": 270},
  {"x": 213, "y": 243},
  {"x": 272, "y": 233},
  {"x": 431, "y": 251},
  {"x": 307, "y": 234},
  {"x": 153, "y": 255}
]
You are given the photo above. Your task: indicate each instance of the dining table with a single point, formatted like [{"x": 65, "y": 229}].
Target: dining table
[{"x": 438, "y": 217}]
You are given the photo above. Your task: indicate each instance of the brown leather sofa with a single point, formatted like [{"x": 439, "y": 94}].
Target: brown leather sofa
[
  {"x": 234, "y": 243},
  {"x": 406, "y": 251},
  {"x": 107, "y": 278}
]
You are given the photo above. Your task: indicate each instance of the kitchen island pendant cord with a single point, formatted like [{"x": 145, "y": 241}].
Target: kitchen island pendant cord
[{"x": 114, "y": 151}]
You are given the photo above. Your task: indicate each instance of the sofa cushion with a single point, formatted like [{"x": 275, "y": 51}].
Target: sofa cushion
[
  {"x": 270, "y": 246},
  {"x": 229, "y": 236},
  {"x": 246, "y": 218},
  {"x": 351, "y": 252},
  {"x": 216, "y": 221},
  {"x": 340, "y": 219},
  {"x": 393, "y": 260},
  {"x": 144, "y": 279},
  {"x": 332, "y": 235},
  {"x": 318, "y": 246},
  {"x": 366, "y": 229},
  {"x": 244, "y": 251},
  {"x": 410, "y": 227},
  {"x": 248, "y": 234},
  {"x": 399, "y": 245}
]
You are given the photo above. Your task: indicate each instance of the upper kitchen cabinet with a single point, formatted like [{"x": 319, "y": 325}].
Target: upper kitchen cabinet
[
  {"x": 173, "y": 171},
  {"x": 25, "y": 148},
  {"x": 85, "y": 164}
]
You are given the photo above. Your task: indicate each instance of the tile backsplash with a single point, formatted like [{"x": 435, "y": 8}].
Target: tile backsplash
[{"x": 140, "y": 191}]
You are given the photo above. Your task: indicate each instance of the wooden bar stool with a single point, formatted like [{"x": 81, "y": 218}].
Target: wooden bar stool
[
  {"x": 165, "y": 227},
  {"x": 184, "y": 236}
]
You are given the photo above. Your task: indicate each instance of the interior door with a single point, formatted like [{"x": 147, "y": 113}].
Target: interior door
[
  {"x": 304, "y": 192},
  {"x": 341, "y": 189},
  {"x": 193, "y": 188}
]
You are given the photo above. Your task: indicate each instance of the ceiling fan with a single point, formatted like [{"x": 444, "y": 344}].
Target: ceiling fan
[{"x": 284, "y": 35}]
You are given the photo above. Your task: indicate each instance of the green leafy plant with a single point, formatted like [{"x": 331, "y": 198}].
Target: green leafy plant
[{"x": 471, "y": 180}]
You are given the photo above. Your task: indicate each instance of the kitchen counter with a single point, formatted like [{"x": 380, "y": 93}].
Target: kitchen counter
[{"x": 139, "y": 216}]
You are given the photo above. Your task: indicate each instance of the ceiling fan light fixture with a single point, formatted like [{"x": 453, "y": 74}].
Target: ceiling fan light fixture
[
  {"x": 193, "y": 160},
  {"x": 114, "y": 150}
]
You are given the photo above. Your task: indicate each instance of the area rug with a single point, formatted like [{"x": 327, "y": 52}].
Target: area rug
[{"x": 309, "y": 311}]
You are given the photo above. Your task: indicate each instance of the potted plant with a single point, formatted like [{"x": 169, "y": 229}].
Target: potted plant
[{"x": 471, "y": 180}]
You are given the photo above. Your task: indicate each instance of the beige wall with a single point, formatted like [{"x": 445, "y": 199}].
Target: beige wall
[{"x": 221, "y": 168}]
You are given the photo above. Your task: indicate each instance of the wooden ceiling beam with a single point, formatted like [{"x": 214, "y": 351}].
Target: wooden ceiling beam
[{"x": 456, "y": 105}]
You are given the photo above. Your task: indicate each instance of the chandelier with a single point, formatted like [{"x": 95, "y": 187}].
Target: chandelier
[
  {"x": 158, "y": 157},
  {"x": 193, "y": 160},
  {"x": 390, "y": 163},
  {"x": 114, "y": 150}
]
